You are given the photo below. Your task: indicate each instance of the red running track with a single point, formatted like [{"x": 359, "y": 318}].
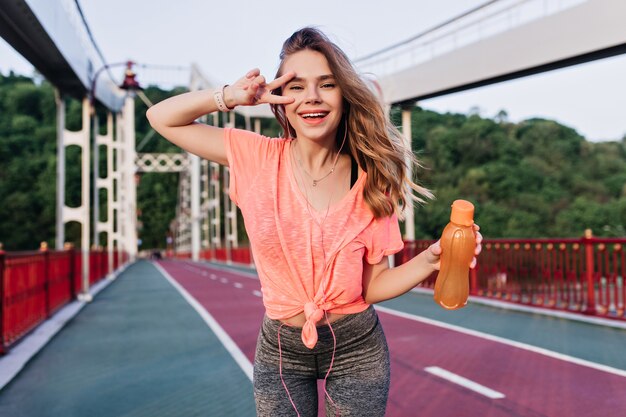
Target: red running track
[{"x": 533, "y": 384}]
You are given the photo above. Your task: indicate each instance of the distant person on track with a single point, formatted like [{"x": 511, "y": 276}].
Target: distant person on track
[{"x": 321, "y": 207}]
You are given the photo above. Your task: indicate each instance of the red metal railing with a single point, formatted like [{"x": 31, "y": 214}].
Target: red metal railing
[
  {"x": 584, "y": 275},
  {"x": 241, "y": 255},
  {"x": 58, "y": 267},
  {"x": 34, "y": 285}
]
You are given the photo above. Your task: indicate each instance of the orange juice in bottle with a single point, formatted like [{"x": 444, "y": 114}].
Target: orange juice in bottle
[{"x": 457, "y": 250}]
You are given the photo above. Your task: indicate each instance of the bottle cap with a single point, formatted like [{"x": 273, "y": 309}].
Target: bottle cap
[{"x": 462, "y": 213}]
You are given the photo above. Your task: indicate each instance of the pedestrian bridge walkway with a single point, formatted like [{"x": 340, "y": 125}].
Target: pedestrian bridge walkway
[
  {"x": 138, "y": 349},
  {"x": 177, "y": 339}
]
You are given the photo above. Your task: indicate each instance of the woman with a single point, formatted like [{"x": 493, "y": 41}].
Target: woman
[{"x": 321, "y": 210}]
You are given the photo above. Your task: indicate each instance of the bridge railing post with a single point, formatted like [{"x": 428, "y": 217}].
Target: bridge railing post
[
  {"x": 43, "y": 248},
  {"x": 71, "y": 253},
  {"x": 409, "y": 211},
  {"x": 474, "y": 280},
  {"x": 589, "y": 272},
  {"x": 2, "y": 309}
]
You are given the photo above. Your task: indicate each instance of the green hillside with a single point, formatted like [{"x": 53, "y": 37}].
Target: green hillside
[{"x": 536, "y": 178}]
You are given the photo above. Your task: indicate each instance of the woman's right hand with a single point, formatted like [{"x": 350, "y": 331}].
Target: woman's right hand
[{"x": 252, "y": 89}]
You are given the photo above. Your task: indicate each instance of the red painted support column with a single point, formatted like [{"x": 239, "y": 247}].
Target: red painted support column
[
  {"x": 474, "y": 280},
  {"x": 589, "y": 269},
  {"x": 43, "y": 247},
  {"x": 69, "y": 248},
  {"x": 2, "y": 312}
]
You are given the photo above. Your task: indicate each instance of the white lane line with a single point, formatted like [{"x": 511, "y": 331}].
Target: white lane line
[
  {"x": 213, "y": 277},
  {"x": 204, "y": 273},
  {"x": 464, "y": 382},
  {"x": 520, "y": 345},
  {"x": 191, "y": 267},
  {"x": 223, "y": 280},
  {"x": 257, "y": 293},
  {"x": 225, "y": 268},
  {"x": 238, "y": 285},
  {"x": 221, "y": 334}
]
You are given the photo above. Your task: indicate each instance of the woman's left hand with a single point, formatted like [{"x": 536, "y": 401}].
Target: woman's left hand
[
  {"x": 479, "y": 245},
  {"x": 433, "y": 253}
]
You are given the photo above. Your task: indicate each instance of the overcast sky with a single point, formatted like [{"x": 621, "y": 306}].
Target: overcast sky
[{"x": 229, "y": 37}]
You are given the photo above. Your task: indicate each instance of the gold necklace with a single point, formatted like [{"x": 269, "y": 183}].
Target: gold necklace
[
  {"x": 300, "y": 179},
  {"x": 316, "y": 181},
  {"x": 320, "y": 225}
]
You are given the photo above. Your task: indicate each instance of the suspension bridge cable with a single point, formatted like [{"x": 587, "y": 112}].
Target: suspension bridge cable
[
  {"x": 419, "y": 35},
  {"x": 93, "y": 40}
]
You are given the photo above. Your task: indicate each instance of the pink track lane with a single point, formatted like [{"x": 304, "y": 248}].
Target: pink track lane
[{"x": 534, "y": 384}]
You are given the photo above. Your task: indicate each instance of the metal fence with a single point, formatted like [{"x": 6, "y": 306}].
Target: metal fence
[
  {"x": 34, "y": 285},
  {"x": 240, "y": 255},
  {"x": 583, "y": 275}
]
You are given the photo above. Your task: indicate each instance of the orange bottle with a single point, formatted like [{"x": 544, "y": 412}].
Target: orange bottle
[{"x": 457, "y": 243}]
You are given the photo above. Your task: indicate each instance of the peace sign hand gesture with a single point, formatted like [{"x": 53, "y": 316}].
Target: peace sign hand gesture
[{"x": 252, "y": 89}]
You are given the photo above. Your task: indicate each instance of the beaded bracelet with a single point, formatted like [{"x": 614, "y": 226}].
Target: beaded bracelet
[{"x": 219, "y": 100}]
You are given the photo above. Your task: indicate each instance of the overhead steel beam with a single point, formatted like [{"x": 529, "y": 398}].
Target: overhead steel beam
[
  {"x": 50, "y": 35},
  {"x": 589, "y": 31},
  {"x": 22, "y": 30}
]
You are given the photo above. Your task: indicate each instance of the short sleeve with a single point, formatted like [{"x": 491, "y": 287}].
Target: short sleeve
[
  {"x": 384, "y": 239},
  {"x": 246, "y": 153}
]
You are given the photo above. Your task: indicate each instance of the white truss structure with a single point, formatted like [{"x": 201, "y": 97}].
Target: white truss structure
[
  {"x": 162, "y": 162},
  {"x": 119, "y": 183},
  {"x": 182, "y": 223},
  {"x": 109, "y": 183},
  {"x": 127, "y": 184},
  {"x": 79, "y": 214},
  {"x": 230, "y": 209},
  {"x": 212, "y": 227}
]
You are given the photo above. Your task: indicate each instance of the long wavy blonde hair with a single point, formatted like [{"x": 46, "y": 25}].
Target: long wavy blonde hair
[{"x": 373, "y": 140}]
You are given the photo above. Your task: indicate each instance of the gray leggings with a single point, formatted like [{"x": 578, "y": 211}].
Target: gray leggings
[{"x": 358, "y": 383}]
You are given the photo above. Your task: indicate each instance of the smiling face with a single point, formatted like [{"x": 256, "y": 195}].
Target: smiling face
[{"x": 316, "y": 112}]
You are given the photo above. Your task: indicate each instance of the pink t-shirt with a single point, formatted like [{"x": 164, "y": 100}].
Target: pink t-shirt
[{"x": 287, "y": 243}]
